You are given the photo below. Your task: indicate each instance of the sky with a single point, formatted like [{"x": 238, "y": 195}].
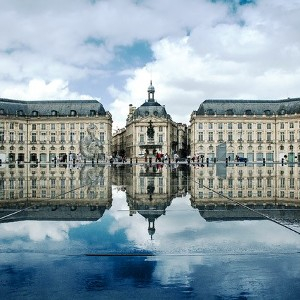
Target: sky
[{"x": 109, "y": 50}]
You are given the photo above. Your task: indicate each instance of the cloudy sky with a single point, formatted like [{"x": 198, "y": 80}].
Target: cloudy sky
[{"x": 110, "y": 50}]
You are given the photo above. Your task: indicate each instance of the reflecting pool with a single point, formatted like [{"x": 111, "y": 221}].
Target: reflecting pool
[{"x": 141, "y": 231}]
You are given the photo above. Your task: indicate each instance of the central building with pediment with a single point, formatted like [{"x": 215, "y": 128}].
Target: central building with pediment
[{"x": 150, "y": 130}]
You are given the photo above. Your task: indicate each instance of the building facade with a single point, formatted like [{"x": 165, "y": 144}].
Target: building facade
[
  {"x": 149, "y": 130},
  {"x": 43, "y": 131},
  {"x": 254, "y": 129}
]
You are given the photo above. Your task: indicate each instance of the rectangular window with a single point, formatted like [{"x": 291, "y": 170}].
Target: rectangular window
[
  {"x": 142, "y": 138},
  {"x": 230, "y": 183},
  {"x": 81, "y": 126},
  {"x": 52, "y": 182},
  {"x": 269, "y": 125},
  {"x": 33, "y": 183},
  {"x": 220, "y": 136},
  {"x": 33, "y": 137},
  {"x": 282, "y": 136},
  {"x": 292, "y": 136},
  {"x": 291, "y": 125},
  {"x": 160, "y": 138},
  {"x": 259, "y": 182},
  {"x": 240, "y": 126},
  {"x": 259, "y": 136},
  {"x": 160, "y": 128},
  {"x": 63, "y": 183},
  {"x": 269, "y": 157},
  {"x": 11, "y": 137},
  {"x": 200, "y": 183},
  {"x": 21, "y": 137},
  {"x": 249, "y": 125},
  {"x": 229, "y": 125},
  {"x": 101, "y": 137},
  {"x": 210, "y": 183},
  {"x": 220, "y": 125},
  {"x": 52, "y": 126},
  {"x": 1, "y": 136},
  {"x": 43, "y": 137},
  {"x": 81, "y": 136},
  {"x": 72, "y": 137},
  {"x": 52, "y": 137},
  {"x": 220, "y": 183},
  {"x": 11, "y": 126},
  {"x": 269, "y": 136},
  {"x": 281, "y": 125},
  {"x": 21, "y": 126},
  {"x": 210, "y": 125},
  {"x": 33, "y": 126},
  {"x": 230, "y": 138},
  {"x": 200, "y": 125},
  {"x": 210, "y": 136},
  {"x": 249, "y": 136},
  {"x": 62, "y": 137},
  {"x": 258, "y": 126},
  {"x": 43, "y": 126},
  {"x": 200, "y": 136},
  {"x": 62, "y": 126},
  {"x": 72, "y": 126}
]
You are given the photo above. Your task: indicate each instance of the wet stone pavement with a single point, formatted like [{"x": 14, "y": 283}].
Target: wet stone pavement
[{"x": 144, "y": 231}]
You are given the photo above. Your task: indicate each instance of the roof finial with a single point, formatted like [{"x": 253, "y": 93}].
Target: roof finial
[{"x": 151, "y": 91}]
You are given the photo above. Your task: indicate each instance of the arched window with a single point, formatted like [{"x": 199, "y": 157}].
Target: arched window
[
  {"x": 92, "y": 113},
  {"x": 35, "y": 113},
  {"x": 73, "y": 113},
  {"x": 53, "y": 113}
]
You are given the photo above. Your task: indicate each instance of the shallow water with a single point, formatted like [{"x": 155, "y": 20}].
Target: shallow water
[{"x": 138, "y": 232}]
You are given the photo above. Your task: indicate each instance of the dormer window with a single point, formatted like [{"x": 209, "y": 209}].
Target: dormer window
[
  {"x": 229, "y": 112},
  {"x": 92, "y": 113},
  {"x": 210, "y": 112},
  {"x": 20, "y": 113},
  {"x": 73, "y": 113},
  {"x": 248, "y": 112},
  {"x": 267, "y": 112},
  {"x": 53, "y": 113},
  {"x": 35, "y": 113},
  {"x": 2, "y": 112}
]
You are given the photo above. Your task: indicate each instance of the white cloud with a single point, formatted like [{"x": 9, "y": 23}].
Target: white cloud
[
  {"x": 38, "y": 89},
  {"x": 38, "y": 231},
  {"x": 253, "y": 52}
]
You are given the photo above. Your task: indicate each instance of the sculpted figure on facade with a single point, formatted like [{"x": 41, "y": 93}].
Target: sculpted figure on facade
[{"x": 91, "y": 147}]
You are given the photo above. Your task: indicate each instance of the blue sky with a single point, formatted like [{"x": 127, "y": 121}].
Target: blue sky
[{"x": 111, "y": 49}]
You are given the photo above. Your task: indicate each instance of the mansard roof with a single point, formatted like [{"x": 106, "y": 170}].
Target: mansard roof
[
  {"x": 51, "y": 107},
  {"x": 249, "y": 107}
]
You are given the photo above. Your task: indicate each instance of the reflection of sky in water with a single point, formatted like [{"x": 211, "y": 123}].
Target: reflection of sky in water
[{"x": 193, "y": 258}]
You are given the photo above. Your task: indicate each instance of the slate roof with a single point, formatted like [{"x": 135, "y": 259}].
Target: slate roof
[
  {"x": 151, "y": 108},
  {"x": 249, "y": 107},
  {"x": 51, "y": 107}
]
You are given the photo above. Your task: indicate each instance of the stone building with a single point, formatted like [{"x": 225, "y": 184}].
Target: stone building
[
  {"x": 254, "y": 129},
  {"x": 150, "y": 130},
  {"x": 43, "y": 131}
]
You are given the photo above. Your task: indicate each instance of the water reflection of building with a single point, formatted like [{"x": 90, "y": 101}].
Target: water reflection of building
[
  {"x": 268, "y": 189},
  {"x": 150, "y": 189},
  {"x": 63, "y": 192}
]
